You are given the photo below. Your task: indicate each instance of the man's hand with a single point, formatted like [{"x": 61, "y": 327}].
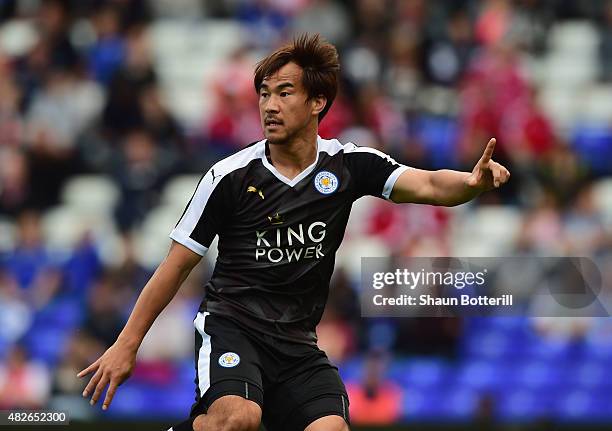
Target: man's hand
[
  {"x": 487, "y": 174},
  {"x": 112, "y": 369}
]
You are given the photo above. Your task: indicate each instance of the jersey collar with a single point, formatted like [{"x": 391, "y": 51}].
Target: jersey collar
[{"x": 300, "y": 176}]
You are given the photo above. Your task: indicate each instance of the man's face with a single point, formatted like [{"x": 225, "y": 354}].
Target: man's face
[{"x": 284, "y": 107}]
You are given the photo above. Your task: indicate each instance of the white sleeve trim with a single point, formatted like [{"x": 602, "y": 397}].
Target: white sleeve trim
[
  {"x": 184, "y": 239},
  {"x": 388, "y": 188}
]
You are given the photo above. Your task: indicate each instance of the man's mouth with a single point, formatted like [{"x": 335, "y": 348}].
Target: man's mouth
[{"x": 273, "y": 122}]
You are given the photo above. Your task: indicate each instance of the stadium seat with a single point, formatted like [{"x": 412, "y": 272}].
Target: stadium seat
[
  {"x": 593, "y": 143},
  {"x": 421, "y": 372},
  {"x": 585, "y": 406},
  {"x": 130, "y": 401},
  {"x": 46, "y": 344},
  {"x": 485, "y": 375},
  {"x": 602, "y": 194},
  {"x": 179, "y": 190},
  {"x": 96, "y": 194},
  {"x": 596, "y": 106},
  {"x": 187, "y": 56},
  {"x": 522, "y": 405},
  {"x": 64, "y": 226},
  {"x": 151, "y": 240},
  {"x": 486, "y": 231},
  {"x": 574, "y": 37},
  {"x": 439, "y": 404},
  {"x": 61, "y": 313},
  {"x": 439, "y": 135}
]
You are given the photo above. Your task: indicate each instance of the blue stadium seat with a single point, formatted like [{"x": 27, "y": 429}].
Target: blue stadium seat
[
  {"x": 129, "y": 401},
  {"x": 537, "y": 374},
  {"x": 420, "y": 372},
  {"x": 46, "y": 343},
  {"x": 61, "y": 313},
  {"x": 152, "y": 401},
  {"x": 518, "y": 405},
  {"x": 439, "y": 136},
  {"x": 486, "y": 375},
  {"x": 584, "y": 406},
  {"x": 439, "y": 404},
  {"x": 593, "y": 143}
]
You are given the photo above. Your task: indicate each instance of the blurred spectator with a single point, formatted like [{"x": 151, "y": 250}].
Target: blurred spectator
[
  {"x": 160, "y": 123},
  {"x": 11, "y": 122},
  {"x": 108, "y": 52},
  {"x": 15, "y": 187},
  {"x": 171, "y": 336},
  {"x": 605, "y": 48},
  {"x": 140, "y": 170},
  {"x": 449, "y": 56},
  {"x": 411, "y": 230},
  {"x": 122, "y": 112},
  {"x": 542, "y": 229},
  {"x": 54, "y": 23},
  {"x": 339, "y": 324},
  {"x": 82, "y": 267},
  {"x": 583, "y": 227},
  {"x": 15, "y": 314},
  {"x": 66, "y": 387},
  {"x": 377, "y": 400},
  {"x": 31, "y": 265},
  {"x": 234, "y": 121},
  {"x": 105, "y": 303},
  {"x": 494, "y": 21},
  {"x": 23, "y": 384},
  {"x": 494, "y": 87},
  {"x": 63, "y": 108}
]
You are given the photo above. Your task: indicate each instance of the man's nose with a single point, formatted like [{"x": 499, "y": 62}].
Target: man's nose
[{"x": 272, "y": 105}]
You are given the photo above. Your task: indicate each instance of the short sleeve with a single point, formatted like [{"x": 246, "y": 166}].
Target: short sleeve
[
  {"x": 205, "y": 214},
  {"x": 374, "y": 173}
]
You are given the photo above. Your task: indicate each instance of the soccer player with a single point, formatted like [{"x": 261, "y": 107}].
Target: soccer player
[{"x": 280, "y": 208}]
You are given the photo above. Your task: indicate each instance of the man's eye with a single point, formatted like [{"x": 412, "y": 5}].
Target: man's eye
[
  {"x": 284, "y": 94},
  {"x": 264, "y": 94}
]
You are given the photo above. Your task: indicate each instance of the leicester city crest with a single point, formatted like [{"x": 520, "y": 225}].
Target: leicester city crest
[
  {"x": 326, "y": 182},
  {"x": 229, "y": 360}
]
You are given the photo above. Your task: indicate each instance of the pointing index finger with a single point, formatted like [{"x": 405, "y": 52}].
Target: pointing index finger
[{"x": 488, "y": 152}]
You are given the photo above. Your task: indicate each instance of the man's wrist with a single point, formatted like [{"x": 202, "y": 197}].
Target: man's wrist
[{"x": 129, "y": 342}]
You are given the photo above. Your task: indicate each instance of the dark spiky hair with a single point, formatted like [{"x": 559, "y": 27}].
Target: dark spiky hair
[{"x": 318, "y": 60}]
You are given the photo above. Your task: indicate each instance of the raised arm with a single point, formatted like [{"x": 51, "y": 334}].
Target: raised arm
[
  {"x": 449, "y": 188},
  {"x": 116, "y": 364}
]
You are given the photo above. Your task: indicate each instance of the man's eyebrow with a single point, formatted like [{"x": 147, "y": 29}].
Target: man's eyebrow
[{"x": 279, "y": 86}]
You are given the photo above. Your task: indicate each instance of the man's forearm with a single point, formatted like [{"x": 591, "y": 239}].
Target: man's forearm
[
  {"x": 155, "y": 296},
  {"x": 450, "y": 188}
]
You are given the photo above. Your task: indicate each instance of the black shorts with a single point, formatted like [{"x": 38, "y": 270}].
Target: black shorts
[{"x": 294, "y": 384}]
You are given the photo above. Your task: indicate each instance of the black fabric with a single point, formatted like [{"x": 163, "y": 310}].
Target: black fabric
[
  {"x": 310, "y": 411},
  {"x": 293, "y": 383}
]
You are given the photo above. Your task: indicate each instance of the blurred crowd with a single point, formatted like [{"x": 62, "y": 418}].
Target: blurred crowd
[{"x": 428, "y": 82}]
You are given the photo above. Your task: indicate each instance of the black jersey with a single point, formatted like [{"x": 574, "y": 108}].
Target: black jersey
[{"x": 278, "y": 237}]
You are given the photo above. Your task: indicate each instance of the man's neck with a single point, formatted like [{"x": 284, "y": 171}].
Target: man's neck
[{"x": 291, "y": 158}]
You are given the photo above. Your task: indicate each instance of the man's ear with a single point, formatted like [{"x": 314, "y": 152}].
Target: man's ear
[{"x": 318, "y": 103}]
